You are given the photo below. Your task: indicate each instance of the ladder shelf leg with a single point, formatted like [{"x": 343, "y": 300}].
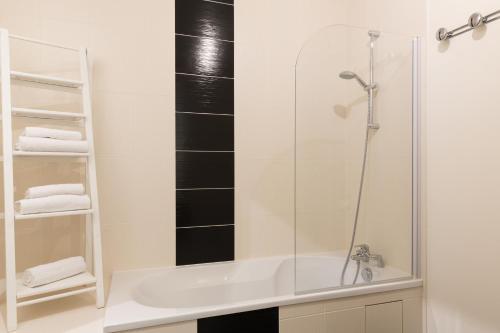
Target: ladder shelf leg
[
  {"x": 8, "y": 175},
  {"x": 92, "y": 181}
]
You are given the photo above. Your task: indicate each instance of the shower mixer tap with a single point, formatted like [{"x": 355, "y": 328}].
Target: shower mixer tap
[{"x": 363, "y": 254}]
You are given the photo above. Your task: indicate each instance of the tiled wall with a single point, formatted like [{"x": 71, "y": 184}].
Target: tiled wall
[
  {"x": 134, "y": 118},
  {"x": 204, "y": 131},
  {"x": 131, "y": 51},
  {"x": 134, "y": 122}
]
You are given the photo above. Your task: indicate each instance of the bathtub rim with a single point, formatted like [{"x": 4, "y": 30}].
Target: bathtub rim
[{"x": 113, "y": 319}]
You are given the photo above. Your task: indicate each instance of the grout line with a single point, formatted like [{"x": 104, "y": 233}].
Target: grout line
[
  {"x": 205, "y": 37},
  {"x": 207, "y": 226},
  {"x": 203, "y": 151},
  {"x": 220, "y": 3},
  {"x": 210, "y": 76},
  {"x": 207, "y": 113},
  {"x": 204, "y": 188}
]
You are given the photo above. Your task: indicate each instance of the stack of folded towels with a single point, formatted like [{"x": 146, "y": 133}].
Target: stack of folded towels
[
  {"x": 39, "y": 139},
  {"x": 55, "y": 271},
  {"x": 53, "y": 198}
]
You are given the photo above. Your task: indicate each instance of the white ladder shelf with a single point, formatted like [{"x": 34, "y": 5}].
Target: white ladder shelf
[{"x": 17, "y": 295}]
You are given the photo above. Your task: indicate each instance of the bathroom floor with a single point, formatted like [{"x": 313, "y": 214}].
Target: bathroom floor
[{"x": 71, "y": 315}]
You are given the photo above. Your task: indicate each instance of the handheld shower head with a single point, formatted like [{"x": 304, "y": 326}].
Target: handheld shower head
[{"x": 348, "y": 75}]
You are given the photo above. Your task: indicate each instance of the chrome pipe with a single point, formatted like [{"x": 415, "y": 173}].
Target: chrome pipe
[
  {"x": 372, "y": 86},
  {"x": 475, "y": 21}
]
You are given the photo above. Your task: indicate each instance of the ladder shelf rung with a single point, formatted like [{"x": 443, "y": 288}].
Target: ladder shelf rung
[
  {"x": 47, "y": 154},
  {"x": 79, "y": 280},
  {"x": 56, "y": 296},
  {"x": 47, "y": 114},
  {"x": 53, "y": 214},
  {"x": 44, "y": 79}
]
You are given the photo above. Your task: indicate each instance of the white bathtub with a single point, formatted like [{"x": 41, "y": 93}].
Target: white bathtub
[{"x": 152, "y": 297}]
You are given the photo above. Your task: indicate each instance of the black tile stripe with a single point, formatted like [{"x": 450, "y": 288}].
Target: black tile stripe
[
  {"x": 201, "y": 245},
  {"x": 203, "y": 18},
  {"x": 204, "y": 56},
  {"x": 204, "y": 132},
  {"x": 204, "y": 128},
  {"x": 261, "y": 321},
  {"x": 204, "y": 94},
  {"x": 230, "y": 2},
  {"x": 204, "y": 207},
  {"x": 205, "y": 170}
]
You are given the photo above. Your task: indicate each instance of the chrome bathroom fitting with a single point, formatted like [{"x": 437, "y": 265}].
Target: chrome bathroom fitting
[
  {"x": 475, "y": 21},
  {"x": 370, "y": 87},
  {"x": 363, "y": 254},
  {"x": 371, "y": 125},
  {"x": 367, "y": 274},
  {"x": 374, "y": 35},
  {"x": 348, "y": 75}
]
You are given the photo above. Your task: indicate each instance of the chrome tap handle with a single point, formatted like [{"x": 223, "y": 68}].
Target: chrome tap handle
[
  {"x": 362, "y": 248},
  {"x": 362, "y": 253}
]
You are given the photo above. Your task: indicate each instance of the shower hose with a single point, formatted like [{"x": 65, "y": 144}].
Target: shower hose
[{"x": 356, "y": 216}]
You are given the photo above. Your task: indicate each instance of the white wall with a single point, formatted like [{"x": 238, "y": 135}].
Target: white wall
[
  {"x": 132, "y": 51},
  {"x": 269, "y": 35},
  {"x": 463, "y": 172}
]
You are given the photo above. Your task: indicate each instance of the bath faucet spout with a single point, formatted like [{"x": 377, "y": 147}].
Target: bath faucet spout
[{"x": 379, "y": 260}]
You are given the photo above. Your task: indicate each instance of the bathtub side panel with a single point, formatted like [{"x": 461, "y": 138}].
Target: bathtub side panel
[{"x": 348, "y": 314}]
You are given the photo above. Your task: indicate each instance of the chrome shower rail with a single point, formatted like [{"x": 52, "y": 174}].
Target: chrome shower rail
[{"x": 476, "y": 20}]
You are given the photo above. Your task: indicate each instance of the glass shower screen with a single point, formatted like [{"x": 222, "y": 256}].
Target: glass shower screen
[{"x": 355, "y": 96}]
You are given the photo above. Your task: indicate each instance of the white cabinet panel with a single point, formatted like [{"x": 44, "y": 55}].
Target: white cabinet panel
[
  {"x": 384, "y": 318},
  {"x": 307, "y": 324},
  {"x": 412, "y": 315},
  {"x": 346, "y": 321}
]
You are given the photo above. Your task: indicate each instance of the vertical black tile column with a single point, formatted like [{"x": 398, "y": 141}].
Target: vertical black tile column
[{"x": 204, "y": 131}]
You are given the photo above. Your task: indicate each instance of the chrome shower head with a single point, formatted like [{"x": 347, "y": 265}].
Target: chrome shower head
[{"x": 348, "y": 75}]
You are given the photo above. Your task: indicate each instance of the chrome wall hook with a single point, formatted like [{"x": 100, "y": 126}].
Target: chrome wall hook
[
  {"x": 476, "y": 20},
  {"x": 442, "y": 34}
]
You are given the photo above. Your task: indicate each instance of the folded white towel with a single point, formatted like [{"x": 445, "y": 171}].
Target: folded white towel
[
  {"x": 55, "y": 271},
  {"x": 50, "y": 133},
  {"x": 56, "y": 189},
  {"x": 27, "y": 143},
  {"x": 55, "y": 203}
]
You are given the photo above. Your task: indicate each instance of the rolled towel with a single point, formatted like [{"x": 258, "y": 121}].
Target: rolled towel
[
  {"x": 55, "y": 203},
  {"x": 27, "y": 143},
  {"x": 55, "y": 271},
  {"x": 50, "y": 133},
  {"x": 56, "y": 189}
]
